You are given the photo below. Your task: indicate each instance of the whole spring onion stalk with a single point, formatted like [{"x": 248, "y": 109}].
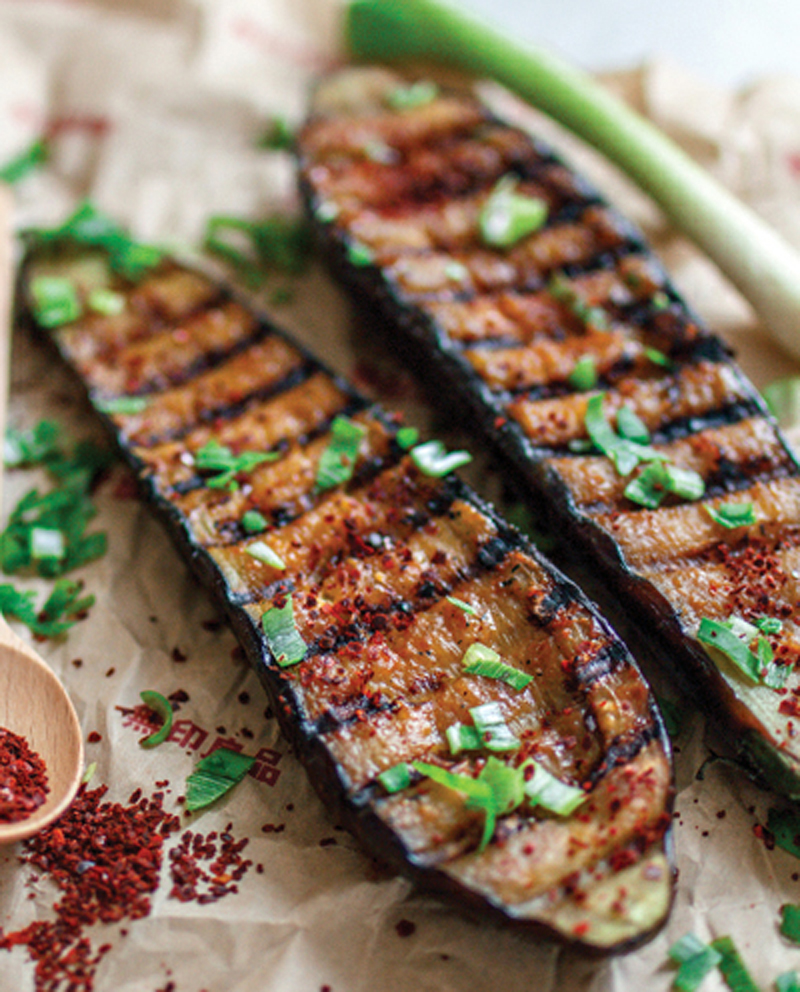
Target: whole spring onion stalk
[{"x": 764, "y": 267}]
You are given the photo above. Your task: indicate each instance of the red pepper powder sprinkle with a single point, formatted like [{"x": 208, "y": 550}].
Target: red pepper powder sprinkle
[{"x": 23, "y": 778}]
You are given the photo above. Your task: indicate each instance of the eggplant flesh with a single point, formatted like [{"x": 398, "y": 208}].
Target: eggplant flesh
[
  {"x": 392, "y": 574},
  {"x": 507, "y": 328}
]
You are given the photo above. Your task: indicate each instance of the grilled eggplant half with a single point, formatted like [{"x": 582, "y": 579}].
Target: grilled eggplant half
[
  {"x": 456, "y": 700},
  {"x": 632, "y": 429}
]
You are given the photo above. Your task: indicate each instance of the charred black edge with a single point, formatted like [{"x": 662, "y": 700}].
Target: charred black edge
[
  {"x": 431, "y": 353},
  {"x": 324, "y": 774}
]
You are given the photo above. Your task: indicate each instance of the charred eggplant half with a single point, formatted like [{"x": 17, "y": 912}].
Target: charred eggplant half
[
  {"x": 626, "y": 419},
  {"x": 456, "y": 701}
]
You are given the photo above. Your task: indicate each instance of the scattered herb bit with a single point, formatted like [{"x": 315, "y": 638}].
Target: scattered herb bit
[
  {"x": 433, "y": 459},
  {"x": 784, "y": 825},
  {"x": 407, "y": 437},
  {"x": 656, "y": 479},
  {"x": 631, "y": 426},
  {"x": 769, "y": 625},
  {"x": 732, "y": 515},
  {"x": 21, "y": 165},
  {"x": 215, "y": 775},
  {"x": 544, "y": 789},
  {"x": 462, "y": 737},
  {"x": 36, "y": 446},
  {"x": 338, "y": 460},
  {"x": 88, "y": 775},
  {"x": 584, "y": 376},
  {"x": 465, "y": 607},
  {"x": 54, "y": 300},
  {"x": 89, "y": 227},
  {"x": 790, "y": 922},
  {"x": 694, "y": 959},
  {"x": 106, "y": 302},
  {"x": 60, "y": 611},
  {"x": 490, "y": 724},
  {"x": 788, "y": 982},
  {"x": 481, "y": 660},
  {"x": 659, "y": 358},
  {"x": 216, "y": 457},
  {"x": 418, "y": 94},
  {"x": 396, "y": 778},
  {"x": 125, "y": 406},
  {"x": 660, "y": 301},
  {"x": 733, "y": 638},
  {"x": 561, "y": 289},
  {"x": 508, "y": 216},
  {"x": 253, "y": 522},
  {"x": 253, "y": 248},
  {"x": 478, "y": 792},
  {"x": 162, "y": 707},
  {"x": 359, "y": 254},
  {"x": 624, "y": 452},
  {"x": 278, "y": 137},
  {"x": 736, "y": 975},
  {"x": 262, "y": 552},
  {"x": 45, "y": 542},
  {"x": 283, "y": 637},
  {"x": 783, "y": 399}
]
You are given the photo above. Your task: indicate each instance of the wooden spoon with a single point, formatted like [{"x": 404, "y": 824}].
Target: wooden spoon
[{"x": 33, "y": 703}]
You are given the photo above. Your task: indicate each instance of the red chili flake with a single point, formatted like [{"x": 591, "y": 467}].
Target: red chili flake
[
  {"x": 178, "y": 655},
  {"x": 790, "y": 706},
  {"x": 405, "y": 928},
  {"x": 193, "y": 881},
  {"x": 77, "y": 662},
  {"x": 110, "y": 672},
  {"x": 765, "y": 835},
  {"x": 23, "y": 778},
  {"x": 244, "y": 698},
  {"x": 94, "y": 737},
  {"x": 580, "y": 928}
]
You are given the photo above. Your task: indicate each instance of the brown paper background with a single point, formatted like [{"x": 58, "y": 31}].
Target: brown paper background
[{"x": 159, "y": 105}]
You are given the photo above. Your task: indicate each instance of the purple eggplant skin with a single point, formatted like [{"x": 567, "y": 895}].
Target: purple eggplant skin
[
  {"x": 499, "y": 330},
  {"x": 369, "y": 564}
]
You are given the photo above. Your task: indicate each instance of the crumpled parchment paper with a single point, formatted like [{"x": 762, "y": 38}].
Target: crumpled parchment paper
[{"x": 156, "y": 107}]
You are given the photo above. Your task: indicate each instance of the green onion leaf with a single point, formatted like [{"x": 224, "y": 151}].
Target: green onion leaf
[
  {"x": 695, "y": 960},
  {"x": 507, "y": 216},
  {"x": 783, "y": 399},
  {"x": 732, "y": 515},
  {"x": 162, "y": 707},
  {"x": 216, "y": 457},
  {"x": 359, "y": 254},
  {"x": 784, "y": 825},
  {"x": 686, "y": 948},
  {"x": 88, "y": 775},
  {"x": 490, "y": 724},
  {"x": 253, "y": 522},
  {"x": 283, "y": 637},
  {"x": 46, "y": 543},
  {"x": 718, "y": 635},
  {"x": 480, "y": 660},
  {"x": 338, "y": 460},
  {"x": 544, "y": 789},
  {"x": 215, "y": 775},
  {"x": 584, "y": 376},
  {"x": 326, "y": 212},
  {"x": 125, "y": 406},
  {"x": 32, "y": 447},
  {"x": 769, "y": 625},
  {"x": 262, "y": 552},
  {"x": 624, "y": 452},
  {"x": 465, "y": 607},
  {"x": 659, "y": 478},
  {"x": 417, "y": 94},
  {"x": 56, "y": 616},
  {"x": 278, "y": 137},
  {"x": 736, "y": 975},
  {"x": 631, "y": 426},
  {"x": 659, "y": 358},
  {"x": 788, "y": 982},
  {"x": 565, "y": 292},
  {"x": 106, "y": 302},
  {"x": 253, "y": 248},
  {"x": 462, "y": 737},
  {"x": 54, "y": 300},
  {"x": 396, "y": 778},
  {"x": 790, "y": 922},
  {"x": 456, "y": 271},
  {"x": 433, "y": 459},
  {"x": 25, "y": 162},
  {"x": 407, "y": 437}
]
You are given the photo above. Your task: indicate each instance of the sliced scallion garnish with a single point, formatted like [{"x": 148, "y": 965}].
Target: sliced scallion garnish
[
  {"x": 456, "y": 271},
  {"x": 733, "y": 638},
  {"x": 464, "y": 607},
  {"x": 508, "y": 216},
  {"x": 125, "y": 406},
  {"x": 491, "y": 725},
  {"x": 783, "y": 399},
  {"x": 433, "y": 459},
  {"x": 106, "y": 302},
  {"x": 46, "y": 542},
  {"x": 283, "y": 637},
  {"x": 694, "y": 959},
  {"x": 338, "y": 460},
  {"x": 462, "y": 737},
  {"x": 396, "y": 778},
  {"x": 789, "y": 981},
  {"x": 55, "y": 300},
  {"x": 659, "y": 358},
  {"x": 253, "y": 522},
  {"x": 736, "y": 975},
  {"x": 36, "y": 446},
  {"x": 624, "y": 452},
  {"x": 656, "y": 479},
  {"x": 215, "y": 775},
  {"x": 407, "y": 437},
  {"x": 359, "y": 254},
  {"x": 278, "y": 137},
  {"x": 22, "y": 164},
  {"x": 218, "y": 458},
  {"x": 162, "y": 707},
  {"x": 790, "y": 922},
  {"x": 549, "y": 792},
  {"x": 481, "y": 660},
  {"x": 769, "y": 625},
  {"x": 262, "y": 552},
  {"x": 631, "y": 426},
  {"x": 417, "y": 94},
  {"x": 584, "y": 375},
  {"x": 732, "y": 515}
]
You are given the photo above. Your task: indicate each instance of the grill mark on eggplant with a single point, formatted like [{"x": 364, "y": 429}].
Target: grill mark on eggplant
[
  {"x": 469, "y": 326},
  {"x": 455, "y": 544}
]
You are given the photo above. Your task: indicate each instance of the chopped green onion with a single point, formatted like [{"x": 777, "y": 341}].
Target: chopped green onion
[
  {"x": 106, "y": 302},
  {"x": 359, "y": 254},
  {"x": 783, "y": 399},
  {"x": 625, "y": 453},
  {"x": 338, "y": 460},
  {"x": 55, "y": 300},
  {"x": 45, "y": 542},
  {"x": 508, "y": 216},
  {"x": 253, "y": 521},
  {"x": 215, "y": 775},
  {"x": 769, "y": 625},
  {"x": 279, "y": 136},
  {"x": 396, "y": 778},
  {"x": 631, "y": 426},
  {"x": 326, "y": 211},
  {"x": 262, "y": 552},
  {"x": 125, "y": 406},
  {"x": 162, "y": 707},
  {"x": 456, "y": 271},
  {"x": 659, "y": 358},
  {"x": 283, "y": 637},
  {"x": 564, "y": 291},
  {"x": 659, "y": 478},
  {"x": 30, "y": 158},
  {"x": 465, "y": 607},
  {"x": 790, "y": 922},
  {"x": 216, "y": 457},
  {"x": 433, "y": 459},
  {"x": 733, "y": 638},
  {"x": 784, "y": 825},
  {"x": 407, "y": 437},
  {"x": 788, "y": 982},
  {"x": 33, "y": 447},
  {"x": 88, "y": 775},
  {"x": 276, "y": 242},
  {"x": 417, "y": 94},
  {"x": 736, "y": 975},
  {"x": 660, "y": 301},
  {"x": 584, "y": 375},
  {"x": 490, "y": 724},
  {"x": 544, "y": 789},
  {"x": 58, "y": 614},
  {"x": 480, "y": 660},
  {"x": 695, "y": 960},
  {"x": 462, "y": 737},
  {"x": 478, "y": 792},
  {"x": 732, "y": 515}
]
